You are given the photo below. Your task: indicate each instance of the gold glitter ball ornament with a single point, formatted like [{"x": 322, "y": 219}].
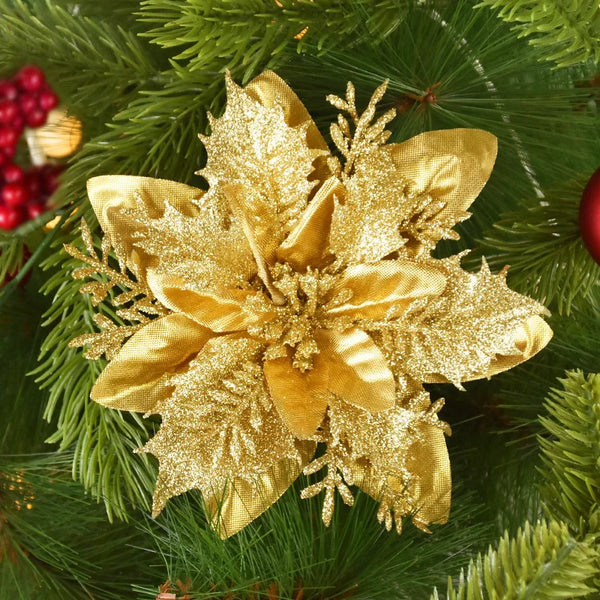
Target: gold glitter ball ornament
[{"x": 296, "y": 302}]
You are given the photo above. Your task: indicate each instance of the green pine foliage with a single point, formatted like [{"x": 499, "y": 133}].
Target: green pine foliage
[
  {"x": 353, "y": 558},
  {"x": 542, "y": 561},
  {"x": 205, "y": 32},
  {"x": 566, "y": 31},
  {"x": 540, "y": 241},
  {"x": 571, "y": 455},
  {"x": 55, "y": 543},
  {"x": 480, "y": 76}
]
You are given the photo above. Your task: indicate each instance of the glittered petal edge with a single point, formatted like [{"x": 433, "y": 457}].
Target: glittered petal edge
[
  {"x": 111, "y": 196},
  {"x": 240, "y": 502}
]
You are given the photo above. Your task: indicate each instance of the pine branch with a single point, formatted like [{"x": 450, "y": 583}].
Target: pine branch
[
  {"x": 542, "y": 244},
  {"x": 251, "y": 31},
  {"x": 291, "y": 547},
  {"x": 482, "y": 77},
  {"x": 565, "y": 31},
  {"x": 102, "y": 440},
  {"x": 571, "y": 457},
  {"x": 539, "y": 562},
  {"x": 54, "y": 544}
]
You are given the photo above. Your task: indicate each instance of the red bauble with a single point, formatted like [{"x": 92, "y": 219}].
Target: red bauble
[
  {"x": 10, "y": 217},
  {"x": 15, "y": 194},
  {"x": 30, "y": 78},
  {"x": 589, "y": 216}
]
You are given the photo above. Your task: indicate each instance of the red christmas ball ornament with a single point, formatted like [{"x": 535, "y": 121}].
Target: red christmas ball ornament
[
  {"x": 30, "y": 78},
  {"x": 10, "y": 217},
  {"x": 589, "y": 216}
]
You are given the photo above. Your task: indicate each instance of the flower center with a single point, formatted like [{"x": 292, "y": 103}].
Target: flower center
[{"x": 296, "y": 317}]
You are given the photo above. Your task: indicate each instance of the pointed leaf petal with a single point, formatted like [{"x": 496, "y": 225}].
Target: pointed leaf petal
[
  {"x": 300, "y": 398},
  {"x": 136, "y": 379},
  {"x": 386, "y": 288},
  {"x": 221, "y": 311},
  {"x": 307, "y": 243},
  {"x": 357, "y": 370}
]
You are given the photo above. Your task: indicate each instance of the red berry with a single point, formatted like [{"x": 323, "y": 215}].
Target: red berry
[
  {"x": 8, "y": 111},
  {"x": 34, "y": 184},
  {"x": 15, "y": 194},
  {"x": 51, "y": 178},
  {"x": 30, "y": 78},
  {"x": 48, "y": 100},
  {"x": 8, "y": 137},
  {"x": 36, "y": 118},
  {"x": 10, "y": 217},
  {"x": 35, "y": 210},
  {"x": 28, "y": 103},
  {"x": 8, "y": 152},
  {"x": 13, "y": 174},
  {"x": 18, "y": 123},
  {"x": 8, "y": 90}
]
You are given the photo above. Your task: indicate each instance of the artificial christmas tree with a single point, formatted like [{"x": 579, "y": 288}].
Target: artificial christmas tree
[{"x": 141, "y": 77}]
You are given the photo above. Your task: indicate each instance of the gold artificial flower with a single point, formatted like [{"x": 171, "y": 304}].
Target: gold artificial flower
[{"x": 297, "y": 302}]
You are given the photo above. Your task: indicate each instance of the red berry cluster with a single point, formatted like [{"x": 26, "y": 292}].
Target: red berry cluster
[{"x": 25, "y": 100}]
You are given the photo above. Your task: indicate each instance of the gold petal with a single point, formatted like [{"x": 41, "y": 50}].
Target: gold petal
[
  {"x": 357, "y": 370},
  {"x": 432, "y": 487},
  {"x": 136, "y": 378},
  {"x": 241, "y": 501},
  {"x": 533, "y": 336},
  {"x": 254, "y": 146},
  {"x": 306, "y": 244},
  {"x": 406, "y": 197},
  {"x": 529, "y": 339},
  {"x": 475, "y": 328},
  {"x": 221, "y": 311},
  {"x": 430, "y": 481},
  {"x": 451, "y": 165},
  {"x": 270, "y": 90},
  {"x": 444, "y": 172},
  {"x": 300, "y": 398},
  {"x": 112, "y": 195},
  {"x": 389, "y": 285}
]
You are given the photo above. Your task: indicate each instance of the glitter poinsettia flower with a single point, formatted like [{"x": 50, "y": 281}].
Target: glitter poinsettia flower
[{"x": 296, "y": 302}]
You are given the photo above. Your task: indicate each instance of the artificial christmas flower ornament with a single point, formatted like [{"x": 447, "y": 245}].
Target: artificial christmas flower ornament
[{"x": 297, "y": 302}]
